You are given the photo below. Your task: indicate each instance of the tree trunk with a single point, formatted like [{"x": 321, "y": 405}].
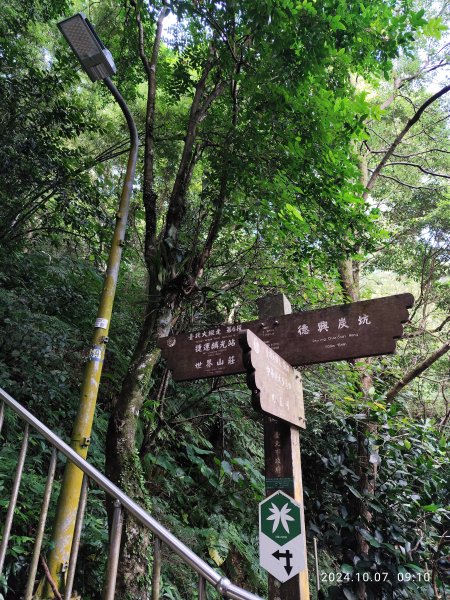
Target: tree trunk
[
  {"x": 168, "y": 286},
  {"x": 349, "y": 271},
  {"x": 349, "y": 274},
  {"x": 123, "y": 464}
]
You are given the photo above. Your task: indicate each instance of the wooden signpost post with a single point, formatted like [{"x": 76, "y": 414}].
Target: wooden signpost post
[
  {"x": 267, "y": 350},
  {"x": 282, "y": 466}
]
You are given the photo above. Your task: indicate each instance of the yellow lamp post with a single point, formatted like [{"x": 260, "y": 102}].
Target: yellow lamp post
[{"x": 98, "y": 63}]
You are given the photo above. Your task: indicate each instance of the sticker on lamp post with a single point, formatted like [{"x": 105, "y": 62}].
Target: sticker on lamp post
[{"x": 281, "y": 543}]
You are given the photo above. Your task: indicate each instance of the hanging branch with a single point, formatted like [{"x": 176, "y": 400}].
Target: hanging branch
[
  {"x": 417, "y": 166},
  {"x": 149, "y": 195},
  {"x": 417, "y": 370},
  {"x": 199, "y": 108},
  {"x": 50, "y": 579},
  {"x": 412, "y": 121}
]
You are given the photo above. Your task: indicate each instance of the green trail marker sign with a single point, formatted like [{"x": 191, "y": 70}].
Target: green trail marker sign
[{"x": 281, "y": 537}]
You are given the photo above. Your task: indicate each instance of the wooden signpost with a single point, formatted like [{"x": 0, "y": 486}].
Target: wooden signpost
[
  {"x": 283, "y": 471},
  {"x": 276, "y": 386},
  {"x": 267, "y": 350},
  {"x": 367, "y": 328}
]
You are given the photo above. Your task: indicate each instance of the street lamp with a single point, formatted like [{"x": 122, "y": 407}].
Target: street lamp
[
  {"x": 98, "y": 64},
  {"x": 94, "y": 57}
]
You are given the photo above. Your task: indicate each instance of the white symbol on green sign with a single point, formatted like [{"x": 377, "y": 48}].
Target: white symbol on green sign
[
  {"x": 281, "y": 542},
  {"x": 280, "y": 518}
]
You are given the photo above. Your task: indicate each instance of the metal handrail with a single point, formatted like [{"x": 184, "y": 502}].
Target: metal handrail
[{"x": 222, "y": 584}]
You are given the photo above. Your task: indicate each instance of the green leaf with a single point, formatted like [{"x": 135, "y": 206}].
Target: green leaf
[
  {"x": 345, "y": 568},
  {"x": 434, "y": 28},
  {"x": 417, "y": 19},
  {"x": 415, "y": 567},
  {"x": 354, "y": 491},
  {"x": 370, "y": 538},
  {"x": 432, "y": 508}
]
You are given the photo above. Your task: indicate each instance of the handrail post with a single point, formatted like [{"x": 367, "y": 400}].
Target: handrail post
[
  {"x": 41, "y": 526},
  {"x": 201, "y": 588},
  {"x": 114, "y": 551},
  {"x": 76, "y": 539},
  {"x": 2, "y": 414},
  {"x": 13, "y": 499},
  {"x": 156, "y": 571}
]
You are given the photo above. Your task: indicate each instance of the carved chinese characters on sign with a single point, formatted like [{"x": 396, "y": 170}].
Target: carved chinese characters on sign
[
  {"x": 367, "y": 328},
  {"x": 207, "y": 353},
  {"x": 277, "y": 452},
  {"x": 276, "y": 386}
]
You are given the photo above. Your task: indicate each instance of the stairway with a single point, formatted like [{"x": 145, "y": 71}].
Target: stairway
[{"x": 33, "y": 432}]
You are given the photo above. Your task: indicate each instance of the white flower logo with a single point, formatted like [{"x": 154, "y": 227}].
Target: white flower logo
[{"x": 280, "y": 515}]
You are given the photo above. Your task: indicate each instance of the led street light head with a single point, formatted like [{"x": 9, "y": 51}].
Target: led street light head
[{"x": 95, "y": 59}]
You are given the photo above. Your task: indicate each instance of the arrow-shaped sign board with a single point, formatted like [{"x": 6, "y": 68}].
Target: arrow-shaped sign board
[
  {"x": 276, "y": 386},
  {"x": 281, "y": 538},
  {"x": 367, "y": 328}
]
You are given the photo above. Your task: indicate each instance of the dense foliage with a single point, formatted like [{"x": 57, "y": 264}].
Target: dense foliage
[{"x": 259, "y": 173}]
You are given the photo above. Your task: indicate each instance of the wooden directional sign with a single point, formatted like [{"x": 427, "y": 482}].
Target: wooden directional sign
[
  {"x": 355, "y": 330},
  {"x": 276, "y": 386}
]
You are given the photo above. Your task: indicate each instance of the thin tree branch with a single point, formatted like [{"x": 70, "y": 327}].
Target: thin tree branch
[
  {"x": 200, "y": 260},
  {"x": 399, "y": 82},
  {"x": 194, "y": 418},
  {"x": 425, "y": 132},
  {"x": 177, "y": 207},
  {"x": 51, "y": 229},
  {"x": 413, "y": 154},
  {"x": 441, "y": 326},
  {"x": 410, "y": 123},
  {"x": 50, "y": 578},
  {"x": 407, "y": 185},
  {"x": 149, "y": 195},
  {"x": 222, "y": 34},
  {"x": 417, "y": 166},
  {"x": 446, "y": 417},
  {"x": 417, "y": 370},
  {"x": 215, "y": 93}
]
